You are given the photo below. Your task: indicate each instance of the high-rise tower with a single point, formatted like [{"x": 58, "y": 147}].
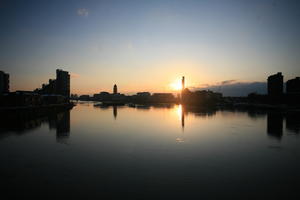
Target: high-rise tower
[
  {"x": 275, "y": 85},
  {"x": 4, "y": 82},
  {"x": 62, "y": 83},
  {"x": 182, "y": 89},
  {"x": 115, "y": 89}
]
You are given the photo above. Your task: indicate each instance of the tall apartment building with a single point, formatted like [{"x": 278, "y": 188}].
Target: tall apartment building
[
  {"x": 293, "y": 86},
  {"x": 4, "y": 82},
  {"x": 275, "y": 85},
  {"x": 62, "y": 83}
]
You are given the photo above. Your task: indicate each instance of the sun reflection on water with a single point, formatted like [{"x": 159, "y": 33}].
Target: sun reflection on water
[{"x": 180, "y": 113}]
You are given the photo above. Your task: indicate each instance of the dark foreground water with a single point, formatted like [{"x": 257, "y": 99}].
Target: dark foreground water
[{"x": 152, "y": 153}]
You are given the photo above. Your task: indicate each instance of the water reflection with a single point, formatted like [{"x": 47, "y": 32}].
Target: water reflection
[
  {"x": 107, "y": 107},
  {"x": 143, "y": 107},
  {"x": 183, "y": 111},
  {"x": 293, "y": 122},
  {"x": 167, "y": 148},
  {"x": 275, "y": 125},
  {"x": 182, "y": 117},
  {"x": 195, "y": 111},
  {"x": 60, "y": 121},
  {"x": 115, "y": 111}
]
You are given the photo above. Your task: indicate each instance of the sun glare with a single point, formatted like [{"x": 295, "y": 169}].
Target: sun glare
[{"x": 176, "y": 85}]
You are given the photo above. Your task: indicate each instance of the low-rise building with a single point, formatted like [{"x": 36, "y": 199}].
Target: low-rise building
[
  {"x": 58, "y": 86},
  {"x": 143, "y": 94},
  {"x": 163, "y": 98}
]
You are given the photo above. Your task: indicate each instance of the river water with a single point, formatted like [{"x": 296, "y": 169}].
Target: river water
[{"x": 152, "y": 152}]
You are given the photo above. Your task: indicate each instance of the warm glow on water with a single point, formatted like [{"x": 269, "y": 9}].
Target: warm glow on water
[
  {"x": 171, "y": 150},
  {"x": 178, "y": 110}
]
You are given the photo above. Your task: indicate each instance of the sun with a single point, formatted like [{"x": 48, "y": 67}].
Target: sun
[{"x": 176, "y": 85}]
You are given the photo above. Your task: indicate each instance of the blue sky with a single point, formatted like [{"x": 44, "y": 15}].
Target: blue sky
[{"x": 147, "y": 45}]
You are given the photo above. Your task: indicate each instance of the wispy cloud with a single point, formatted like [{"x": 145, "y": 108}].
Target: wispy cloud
[
  {"x": 217, "y": 84},
  {"x": 228, "y": 82},
  {"x": 83, "y": 12}
]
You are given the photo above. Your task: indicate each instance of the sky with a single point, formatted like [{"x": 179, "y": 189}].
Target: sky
[{"x": 143, "y": 45}]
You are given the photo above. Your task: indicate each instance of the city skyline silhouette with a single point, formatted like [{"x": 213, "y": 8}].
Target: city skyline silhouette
[{"x": 150, "y": 99}]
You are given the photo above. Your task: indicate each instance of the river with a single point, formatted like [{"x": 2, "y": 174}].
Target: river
[{"x": 152, "y": 152}]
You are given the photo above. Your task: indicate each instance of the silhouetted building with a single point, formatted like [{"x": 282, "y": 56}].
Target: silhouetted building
[
  {"x": 293, "y": 86},
  {"x": 84, "y": 97},
  {"x": 115, "y": 89},
  {"x": 4, "y": 82},
  {"x": 62, "y": 83},
  {"x": 182, "y": 88},
  {"x": 74, "y": 96},
  {"x": 140, "y": 97},
  {"x": 118, "y": 97},
  {"x": 275, "y": 85},
  {"x": 203, "y": 97},
  {"x": 29, "y": 98},
  {"x": 143, "y": 94},
  {"x": 21, "y": 98},
  {"x": 58, "y": 86},
  {"x": 102, "y": 96},
  {"x": 292, "y": 96},
  {"x": 49, "y": 88},
  {"x": 163, "y": 98}
]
